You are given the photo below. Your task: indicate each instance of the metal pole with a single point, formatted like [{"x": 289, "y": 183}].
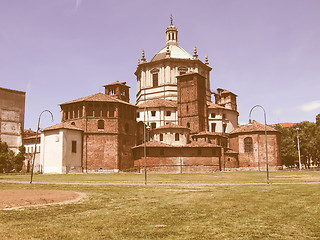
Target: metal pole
[
  {"x": 35, "y": 144},
  {"x": 298, "y": 148},
  {"x": 265, "y": 131}
]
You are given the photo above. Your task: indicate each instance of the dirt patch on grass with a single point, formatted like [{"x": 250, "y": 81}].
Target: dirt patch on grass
[{"x": 15, "y": 199}]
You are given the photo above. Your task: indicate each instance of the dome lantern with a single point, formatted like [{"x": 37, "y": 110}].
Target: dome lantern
[{"x": 171, "y": 34}]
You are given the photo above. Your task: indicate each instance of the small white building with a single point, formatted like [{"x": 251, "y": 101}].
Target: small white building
[{"x": 61, "y": 149}]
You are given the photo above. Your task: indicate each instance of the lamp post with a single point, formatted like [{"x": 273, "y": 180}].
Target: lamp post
[
  {"x": 265, "y": 131},
  {"x": 35, "y": 144},
  {"x": 298, "y": 147}
]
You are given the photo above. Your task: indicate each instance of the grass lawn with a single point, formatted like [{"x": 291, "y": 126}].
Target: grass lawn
[
  {"x": 169, "y": 211},
  {"x": 218, "y": 177}
]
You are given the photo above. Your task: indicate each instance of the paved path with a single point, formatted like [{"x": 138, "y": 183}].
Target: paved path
[{"x": 157, "y": 184}]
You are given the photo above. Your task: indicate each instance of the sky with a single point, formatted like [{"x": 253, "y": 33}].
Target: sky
[{"x": 265, "y": 51}]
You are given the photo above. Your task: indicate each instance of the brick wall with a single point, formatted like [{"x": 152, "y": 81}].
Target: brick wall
[
  {"x": 192, "y": 108},
  {"x": 257, "y": 158},
  {"x": 178, "y": 160}
]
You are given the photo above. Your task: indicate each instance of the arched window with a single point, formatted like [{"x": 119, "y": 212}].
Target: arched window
[
  {"x": 248, "y": 145},
  {"x": 176, "y": 137},
  {"x": 100, "y": 125},
  {"x": 188, "y": 125},
  {"x": 161, "y": 137}
]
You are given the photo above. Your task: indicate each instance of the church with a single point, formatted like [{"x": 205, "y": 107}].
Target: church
[{"x": 174, "y": 126}]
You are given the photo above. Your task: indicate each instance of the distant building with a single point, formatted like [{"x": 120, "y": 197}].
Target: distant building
[
  {"x": 12, "y": 107},
  {"x": 29, "y": 141},
  {"x": 287, "y": 124}
]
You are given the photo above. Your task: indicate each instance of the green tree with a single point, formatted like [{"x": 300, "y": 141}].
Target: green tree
[
  {"x": 4, "y": 151},
  {"x": 288, "y": 146},
  {"x": 18, "y": 159}
]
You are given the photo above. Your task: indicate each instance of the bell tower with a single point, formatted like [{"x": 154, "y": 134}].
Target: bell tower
[
  {"x": 118, "y": 90},
  {"x": 192, "y": 103}
]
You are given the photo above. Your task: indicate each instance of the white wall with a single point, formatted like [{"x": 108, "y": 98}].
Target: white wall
[{"x": 57, "y": 155}]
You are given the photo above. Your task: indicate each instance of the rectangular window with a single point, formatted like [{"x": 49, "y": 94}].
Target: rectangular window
[
  {"x": 155, "y": 79},
  {"x": 168, "y": 113},
  {"x": 213, "y": 127},
  {"x": 224, "y": 128},
  {"x": 213, "y": 115},
  {"x": 153, "y": 125},
  {"x": 153, "y": 113},
  {"x": 138, "y": 114},
  {"x": 74, "y": 146},
  {"x": 223, "y": 116}
]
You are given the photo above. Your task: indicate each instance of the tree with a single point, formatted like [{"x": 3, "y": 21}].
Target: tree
[
  {"x": 8, "y": 160},
  {"x": 309, "y": 140},
  {"x": 4, "y": 151},
  {"x": 18, "y": 159},
  {"x": 288, "y": 147}
]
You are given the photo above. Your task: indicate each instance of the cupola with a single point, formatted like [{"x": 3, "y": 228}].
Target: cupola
[{"x": 171, "y": 34}]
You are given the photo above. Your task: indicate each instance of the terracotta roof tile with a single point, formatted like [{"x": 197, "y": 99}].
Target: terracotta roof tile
[
  {"x": 254, "y": 127},
  {"x": 98, "y": 97},
  {"x": 62, "y": 125},
  {"x": 117, "y": 83},
  {"x": 213, "y": 105},
  {"x": 201, "y": 144},
  {"x": 204, "y": 133},
  {"x": 153, "y": 143},
  {"x": 158, "y": 103},
  {"x": 286, "y": 125}
]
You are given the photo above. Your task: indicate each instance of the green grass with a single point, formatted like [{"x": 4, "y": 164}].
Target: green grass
[
  {"x": 218, "y": 177},
  {"x": 171, "y": 211}
]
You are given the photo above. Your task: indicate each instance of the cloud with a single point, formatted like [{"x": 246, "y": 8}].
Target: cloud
[
  {"x": 78, "y": 2},
  {"x": 278, "y": 111},
  {"x": 310, "y": 106}
]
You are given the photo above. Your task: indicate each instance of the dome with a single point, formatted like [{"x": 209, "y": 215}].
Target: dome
[{"x": 175, "y": 52}]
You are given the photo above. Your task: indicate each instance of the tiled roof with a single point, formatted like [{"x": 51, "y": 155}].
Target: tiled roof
[
  {"x": 201, "y": 144},
  {"x": 224, "y": 91},
  {"x": 253, "y": 127},
  {"x": 117, "y": 83},
  {"x": 98, "y": 97},
  {"x": 170, "y": 126},
  {"x": 62, "y": 125},
  {"x": 32, "y": 137},
  {"x": 158, "y": 103},
  {"x": 153, "y": 143},
  {"x": 213, "y": 105},
  {"x": 206, "y": 133},
  {"x": 286, "y": 125},
  {"x": 28, "y": 133}
]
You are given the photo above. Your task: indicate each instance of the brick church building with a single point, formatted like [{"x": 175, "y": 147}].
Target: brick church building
[{"x": 185, "y": 130}]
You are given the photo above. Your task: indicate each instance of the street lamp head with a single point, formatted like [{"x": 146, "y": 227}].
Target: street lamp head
[{"x": 297, "y": 129}]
